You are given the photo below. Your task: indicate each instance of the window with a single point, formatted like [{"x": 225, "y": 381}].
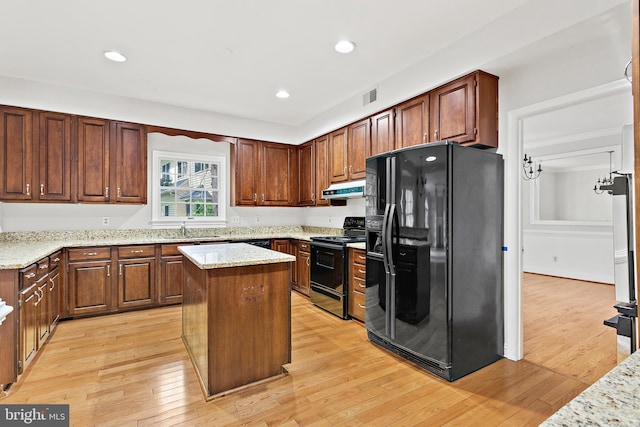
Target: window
[{"x": 188, "y": 187}]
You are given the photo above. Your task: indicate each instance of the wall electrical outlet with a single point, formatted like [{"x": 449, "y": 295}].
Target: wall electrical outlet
[
  {"x": 555, "y": 258},
  {"x": 106, "y": 220},
  {"x": 257, "y": 219},
  {"x": 235, "y": 219}
]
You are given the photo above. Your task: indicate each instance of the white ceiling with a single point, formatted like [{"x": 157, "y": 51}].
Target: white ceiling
[{"x": 232, "y": 56}]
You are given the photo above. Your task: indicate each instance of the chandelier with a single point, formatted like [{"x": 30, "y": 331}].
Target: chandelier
[
  {"x": 529, "y": 168},
  {"x": 606, "y": 181}
]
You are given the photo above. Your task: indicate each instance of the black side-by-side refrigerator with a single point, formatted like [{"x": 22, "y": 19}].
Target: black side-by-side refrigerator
[{"x": 434, "y": 229}]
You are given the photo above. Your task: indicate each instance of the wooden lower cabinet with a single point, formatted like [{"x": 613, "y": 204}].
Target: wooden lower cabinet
[
  {"x": 303, "y": 261},
  {"x": 136, "y": 276},
  {"x": 28, "y": 326},
  {"x": 171, "y": 275},
  {"x": 357, "y": 283},
  {"x": 89, "y": 281}
]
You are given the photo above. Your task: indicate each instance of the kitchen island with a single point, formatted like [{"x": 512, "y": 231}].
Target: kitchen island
[{"x": 236, "y": 314}]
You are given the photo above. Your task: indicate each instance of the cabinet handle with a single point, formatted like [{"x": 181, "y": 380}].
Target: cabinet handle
[
  {"x": 137, "y": 251},
  {"x": 118, "y": 192},
  {"x": 108, "y": 270},
  {"x": 262, "y": 197},
  {"x": 53, "y": 285},
  {"x": 89, "y": 253},
  {"x": 106, "y": 192},
  {"x": 362, "y": 286},
  {"x": 362, "y": 306},
  {"x": 362, "y": 271},
  {"x": 39, "y": 297},
  {"x": 28, "y": 189},
  {"x": 308, "y": 262},
  {"x": 435, "y": 134},
  {"x": 350, "y": 169},
  {"x": 362, "y": 257},
  {"x": 56, "y": 260},
  {"x": 255, "y": 197},
  {"x": 313, "y": 197},
  {"x": 42, "y": 189},
  {"x": 424, "y": 138},
  {"x": 44, "y": 266},
  {"x": 120, "y": 270},
  {"x": 30, "y": 275},
  {"x": 345, "y": 170}
]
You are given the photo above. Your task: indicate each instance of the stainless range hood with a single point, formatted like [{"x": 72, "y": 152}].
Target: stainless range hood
[{"x": 344, "y": 190}]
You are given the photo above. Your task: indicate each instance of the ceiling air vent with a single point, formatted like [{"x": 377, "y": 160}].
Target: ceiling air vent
[{"x": 370, "y": 97}]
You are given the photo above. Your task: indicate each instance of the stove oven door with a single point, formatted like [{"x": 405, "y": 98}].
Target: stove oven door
[{"x": 328, "y": 287}]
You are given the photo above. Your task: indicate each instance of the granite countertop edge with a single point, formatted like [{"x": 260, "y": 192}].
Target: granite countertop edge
[
  {"x": 610, "y": 401},
  {"x": 209, "y": 257},
  {"x": 19, "y": 250}
]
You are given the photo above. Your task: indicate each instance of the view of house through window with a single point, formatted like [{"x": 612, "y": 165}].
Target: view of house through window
[{"x": 187, "y": 187}]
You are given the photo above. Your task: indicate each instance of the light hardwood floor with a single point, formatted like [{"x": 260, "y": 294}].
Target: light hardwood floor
[{"x": 131, "y": 369}]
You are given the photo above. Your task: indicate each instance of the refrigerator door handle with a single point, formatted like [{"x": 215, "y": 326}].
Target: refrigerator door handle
[{"x": 385, "y": 248}]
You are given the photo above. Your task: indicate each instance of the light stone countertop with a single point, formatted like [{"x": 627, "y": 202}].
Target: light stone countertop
[
  {"x": 613, "y": 400},
  {"x": 21, "y": 249},
  {"x": 232, "y": 255}
]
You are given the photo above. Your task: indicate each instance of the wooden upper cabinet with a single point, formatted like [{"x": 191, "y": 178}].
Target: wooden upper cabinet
[
  {"x": 338, "y": 160},
  {"x": 466, "y": 110},
  {"x": 54, "y": 154},
  {"x": 247, "y": 171},
  {"x": 358, "y": 149},
  {"x": 307, "y": 174},
  {"x": 265, "y": 173},
  {"x": 278, "y": 165},
  {"x": 322, "y": 181},
  {"x": 130, "y": 164},
  {"x": 16, "y": 151},
  {"x": 382, "y": 133},
  {"x": 412, "y": 121},
  {"x": 93, "y": 160}
]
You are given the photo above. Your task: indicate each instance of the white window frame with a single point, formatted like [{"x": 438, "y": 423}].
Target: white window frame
[{"x": 157, "y": 219}]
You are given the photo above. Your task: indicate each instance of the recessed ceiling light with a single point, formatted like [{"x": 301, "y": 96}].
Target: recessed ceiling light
[
  {"x": 115, "y": 56},
  {"x": 282, "y": 94},
  {"x": 344, "y": 46}
]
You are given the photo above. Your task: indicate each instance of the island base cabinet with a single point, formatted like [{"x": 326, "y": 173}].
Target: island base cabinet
[{"x": 246, "y": 337}]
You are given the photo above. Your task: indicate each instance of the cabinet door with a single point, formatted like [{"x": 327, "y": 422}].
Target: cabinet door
[
  {"x": 16, "y": 161},
  {"x": 453, "y": 111},
  {"x": 382, "y": 133},
  {"x": 321, "y": 152},
  {"x": 54, "y": 153},
  {"x": 55, "y": 294},
  {"x": 338, "y": 161},
  {"x": 130, "y": 163},
  {"x": 136, "y": 282},
  {"x": 170, "y": 280},
  {"x": 304, "y": 268},
  {"x": 42, "y": 314},
  {"x": 278, "y": 172},
  {"x": 357, "y": 283},
  {"x": 307, "y": 175},
  {"x": 93, "y": 160},
  {"x": 28, "y": 325},
  {"x": 412, "y": 122},
  {"x": 89, "y": 287},
  {"x": 247, "y": 172},
  {"x": 358, "y": 149}
]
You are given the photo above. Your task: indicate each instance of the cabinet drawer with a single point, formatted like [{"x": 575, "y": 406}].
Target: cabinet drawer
[
  {"x": 43, "y": 267},
  {"x": 136, "y": 251},
  {"x": 87, "y": 254},
  {"x": 28, "y": 276},
  {"x": 359, "y": 284},
  {"x": 356, "y": 305},
  {"x": 359, "y": 257},
  {"x": 168, "y": 250},
  {"x": 54, "y": 260},
  {"x": 303, "y": 246},
  {"x": 359, "y": 271}
]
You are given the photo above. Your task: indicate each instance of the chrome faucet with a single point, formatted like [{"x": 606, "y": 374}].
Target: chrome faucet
[{"x": 183, "y": 229}]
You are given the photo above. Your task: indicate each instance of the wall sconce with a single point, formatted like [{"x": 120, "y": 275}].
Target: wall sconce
[
  {"x": 529, "y": 168},
  {"x": 606, "y": 181}
]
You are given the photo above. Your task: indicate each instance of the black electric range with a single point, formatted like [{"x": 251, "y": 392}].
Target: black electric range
[{"x": 329, "y": 267}]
